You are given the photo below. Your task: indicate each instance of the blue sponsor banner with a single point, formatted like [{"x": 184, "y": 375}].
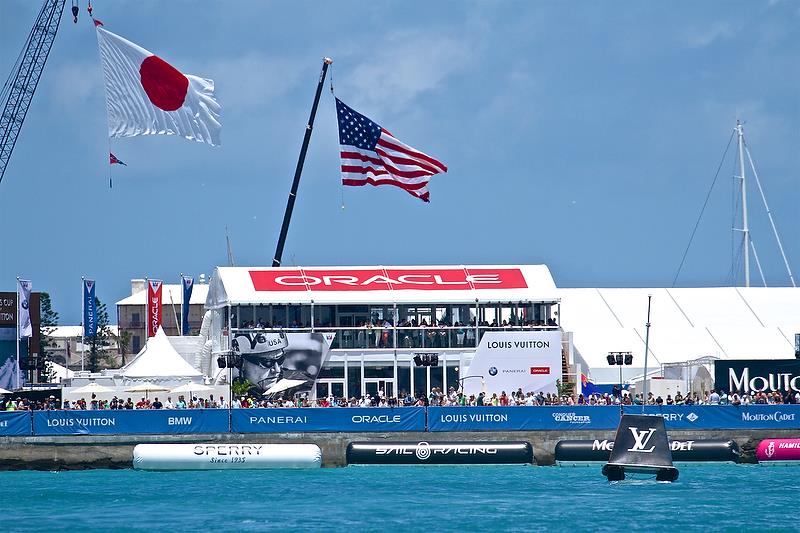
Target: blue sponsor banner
[
  {"x": 725, "y": 416},
  {"x": 89, "y": 309},
  {"x": 125, "y": 422},
  {"x": 328, "y": 419},
  {"x": 522, "y": 418},
  {"x": 187, "y": 282},
  {"x": 14, "y": 423}
]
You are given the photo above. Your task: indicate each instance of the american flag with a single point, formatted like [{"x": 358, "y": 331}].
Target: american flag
[{"x": 372, "y": 156}]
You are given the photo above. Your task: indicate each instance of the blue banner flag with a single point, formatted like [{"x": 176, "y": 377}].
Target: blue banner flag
[
  {"x": 188, "y": 283},
  {"x": 89, "y": 309}
]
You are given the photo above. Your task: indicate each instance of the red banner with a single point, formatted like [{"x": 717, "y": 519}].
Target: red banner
[
  {"x": 376, "y": 279},
  {"x": 154, "y": 287}
]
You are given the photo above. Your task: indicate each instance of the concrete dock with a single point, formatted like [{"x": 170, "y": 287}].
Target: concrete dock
[{"x": 77, "y": 452}]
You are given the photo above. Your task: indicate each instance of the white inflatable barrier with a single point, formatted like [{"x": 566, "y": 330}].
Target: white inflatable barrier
[{"x": 225, "y": 456}]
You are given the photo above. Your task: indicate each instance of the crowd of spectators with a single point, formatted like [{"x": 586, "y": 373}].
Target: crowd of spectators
[{"x": 437, "y": 397}]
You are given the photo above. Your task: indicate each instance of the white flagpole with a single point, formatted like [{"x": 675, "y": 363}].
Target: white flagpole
[
  {"x": 173, "y": 307},
  {"x": 16, "y": 341},
  {"x": 83, "y": 311},
  {"x": 183, "y": 291}
]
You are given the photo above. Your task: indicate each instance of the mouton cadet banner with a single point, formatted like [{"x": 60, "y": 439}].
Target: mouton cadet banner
[{"x": 510, "y": 360}]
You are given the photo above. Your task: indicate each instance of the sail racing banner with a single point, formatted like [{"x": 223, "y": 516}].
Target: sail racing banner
[
  {"x": 15, "y": 423},
  {"x": 133, "y": 422},
  {"x": 522, "y": 418},
  {"x": 333, "y": 419}
]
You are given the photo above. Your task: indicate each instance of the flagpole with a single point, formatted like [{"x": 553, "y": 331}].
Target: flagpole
[
  {"x": 17, "y": 339},
  {"x": 287, "y": 216},
  {"x": 180, "y": 328},
  {"x": 173, "y": 306},
  {"x": 83, "y": 330}
]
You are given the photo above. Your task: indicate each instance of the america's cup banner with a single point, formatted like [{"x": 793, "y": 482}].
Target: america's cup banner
[
  {"x": 382, "y": 279},
  {"x": 512, "y": 360},
  {"x": 154, "y": 311}
]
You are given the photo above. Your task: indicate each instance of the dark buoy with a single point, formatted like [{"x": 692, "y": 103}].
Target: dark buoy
[{"x": 641, "y": 446}]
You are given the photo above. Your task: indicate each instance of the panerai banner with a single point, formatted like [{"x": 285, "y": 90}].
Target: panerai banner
[
  {"x": 89, "y": 309},
  {"x": 154, "y": 287},
  {"x": 512, "y": 360}
]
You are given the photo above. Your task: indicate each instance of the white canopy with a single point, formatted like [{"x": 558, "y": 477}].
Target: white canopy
[
  {"x": 158, "y": 359},
  {"x": 380, "y": 284}
]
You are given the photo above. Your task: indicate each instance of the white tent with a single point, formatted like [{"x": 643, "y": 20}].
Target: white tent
[{"x": 158, "y": 359}]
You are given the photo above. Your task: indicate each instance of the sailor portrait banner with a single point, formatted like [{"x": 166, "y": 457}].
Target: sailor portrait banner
[
  {"x": 154, "y": 308},
  {"x": 187, "y": 283},
  {"x": 89, "y": 309},
  {"x": 24, "y": 327},
  {"x": 353, "y": 419}
]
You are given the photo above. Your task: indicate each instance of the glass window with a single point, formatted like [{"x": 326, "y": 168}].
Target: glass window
[
  {"x": 379, "y": 371},
  {"x": 403, "y": 379},
  {"x": 324, "y": 315},
  {"x": 420, "y": 381},
  {"x": 354, "y": 379},
  {"x": 332, "y": 372}
]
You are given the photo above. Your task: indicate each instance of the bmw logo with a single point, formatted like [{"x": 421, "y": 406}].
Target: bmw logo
[{"x": 493, "y": 371}]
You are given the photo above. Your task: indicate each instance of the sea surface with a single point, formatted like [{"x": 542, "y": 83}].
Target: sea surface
[{"x": 402, "y": 498}]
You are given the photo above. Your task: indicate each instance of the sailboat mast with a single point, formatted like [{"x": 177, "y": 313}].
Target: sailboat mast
[{"x": 745, "y": 227}]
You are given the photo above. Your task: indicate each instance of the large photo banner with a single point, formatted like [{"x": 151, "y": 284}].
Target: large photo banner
[
  {"x": 757, "y": 375},
  {"x": 280, "y": 364},
  {"x": 512, "y": 360}
]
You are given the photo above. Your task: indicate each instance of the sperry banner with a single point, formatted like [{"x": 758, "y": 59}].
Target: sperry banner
[{"x": 379, "y": 279}]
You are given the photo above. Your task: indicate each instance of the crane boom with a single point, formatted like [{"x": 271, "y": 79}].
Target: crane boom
[{"x": 26, "y": 78}]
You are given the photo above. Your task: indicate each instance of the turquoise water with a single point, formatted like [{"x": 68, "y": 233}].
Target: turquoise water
[{"x": 431, "y": 499}]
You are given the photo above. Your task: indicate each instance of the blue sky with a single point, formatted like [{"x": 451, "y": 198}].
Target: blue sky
[{"x": 582, "y": 135}]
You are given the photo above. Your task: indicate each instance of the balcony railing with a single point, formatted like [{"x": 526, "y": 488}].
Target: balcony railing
[{"x": 402, "y": 337}]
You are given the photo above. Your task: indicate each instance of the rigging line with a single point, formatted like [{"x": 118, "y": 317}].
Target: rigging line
[
  {"x": 697, "y": 224},
  {"x": 735, "y": 247},
  {"x": 769, "y": 215},
  {"x": 758, "y": 263}
]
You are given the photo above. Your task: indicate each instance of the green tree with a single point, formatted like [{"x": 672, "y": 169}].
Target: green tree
[
  {"x": 123, "y": 341},
  {"x": 47, "y": 324},
  {"x": 97, "y": 345}
]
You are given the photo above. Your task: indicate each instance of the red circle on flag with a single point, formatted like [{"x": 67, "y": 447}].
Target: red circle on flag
[{"x": 164, "y": 84}]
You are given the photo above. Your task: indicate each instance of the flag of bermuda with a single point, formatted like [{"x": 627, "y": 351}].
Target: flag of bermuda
[{"x": 148, "y": 96}]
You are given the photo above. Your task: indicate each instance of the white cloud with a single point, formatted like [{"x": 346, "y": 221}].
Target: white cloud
[
  {"x": 405, "y": 65},
  {"x": 699, "y": 37},
  {"x": 252, "y": 80}
]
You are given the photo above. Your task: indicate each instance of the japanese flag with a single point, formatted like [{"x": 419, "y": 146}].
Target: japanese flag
[{"x": 148, "y": 96}]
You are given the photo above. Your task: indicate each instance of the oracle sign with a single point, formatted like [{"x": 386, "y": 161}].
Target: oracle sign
[{"x": 378, "y": 279}]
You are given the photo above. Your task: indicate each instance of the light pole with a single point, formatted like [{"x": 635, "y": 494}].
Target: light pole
[{"x": 619, "y": 359}]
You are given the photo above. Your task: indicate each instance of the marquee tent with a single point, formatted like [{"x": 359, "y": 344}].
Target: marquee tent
[{"x": 158, "y": 359}]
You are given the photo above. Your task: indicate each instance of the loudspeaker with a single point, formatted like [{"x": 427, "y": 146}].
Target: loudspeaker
[
  {"x": 628, "y": 359},
  {"x": 221, "y": 362},
  {"x": 435, "y": 360},
  {"x": 618, "y": 357},
  {"x": 417, "y": 360},
  {"x": 610, "y": 359}
]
